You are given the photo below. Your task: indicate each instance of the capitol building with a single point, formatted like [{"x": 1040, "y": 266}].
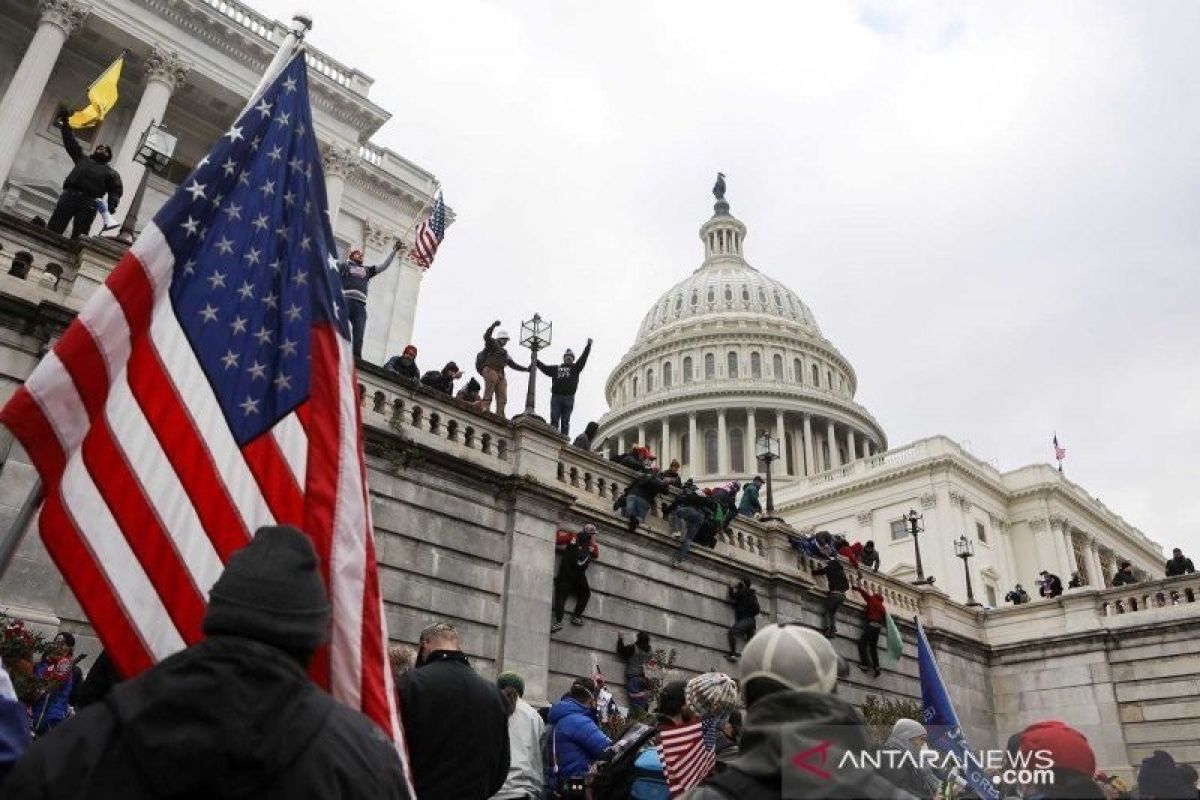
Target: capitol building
[{"x": 728, "y": 355}]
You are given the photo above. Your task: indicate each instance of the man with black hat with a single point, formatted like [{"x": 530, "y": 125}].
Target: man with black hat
[
  {"x": 234, "y": 715},
  {"x": 564, "y": 381},
  {"x": 89, "y": 180}
]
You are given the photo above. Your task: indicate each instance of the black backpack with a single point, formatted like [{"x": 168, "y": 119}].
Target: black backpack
[
  {"x": 479, "y": 360},
  {"x": 611, "y": 776}
]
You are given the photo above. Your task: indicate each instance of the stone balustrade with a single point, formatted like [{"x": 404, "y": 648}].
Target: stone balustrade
[{"x": 1150, "y": 595}]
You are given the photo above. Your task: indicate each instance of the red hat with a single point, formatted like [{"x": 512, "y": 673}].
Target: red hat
[
  {"x": 410, "y": 351},
  {"x": 1068, "y": 747}
]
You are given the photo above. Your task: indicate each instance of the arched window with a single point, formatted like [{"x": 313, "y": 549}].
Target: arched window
[
  {"x": 710, "y": 452},
  {"x": 667, "y": 375},
  {"x": 797, "y": 371},
  {"x": 679, "y": 302},
  {"x": 745, "y": 295},
  {"x": 732, "y": 367},
  {"x": 712, "y": 295},
  {"x": 710, "y": 366},
  {"x": 829, "y": 379},
  {"x": 842, "y": 385},
  {"x": 649, "y": 381},
  {"x": 790, "y": 449},
  {"x": 777, "y": 367},
  {"x": 737, "y": 450},
  {"x": 728, "y": 295},
  {"x": 816, "y": 376},
  {"x": 762, "y": 295},
  {"x": 687, "y": 369},
  {"x": 685, "y": 450},
  {"x": 695, "y": 297},
  {"x": 635, "y": 385},
  {"x": 755, "y": 365}
]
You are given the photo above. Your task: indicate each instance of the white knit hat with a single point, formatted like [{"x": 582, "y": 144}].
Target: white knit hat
[
  {"x": 711, "y": 693},
  {"x": 797, "y": 657}
]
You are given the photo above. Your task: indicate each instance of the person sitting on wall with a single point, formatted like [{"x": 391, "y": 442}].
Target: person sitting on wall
[
  {"x": 587, "y": 439},
  {"x": 405, "y": 364},
  {"x": 1050, "y": 586},
  {"x": 1017, "y": 596},
  {"x": 1124, "y": 575},
  {"x": 869, "y": 557},
  {"x": 442, "y": 381},
  {"x": 91, "y": 179},
  {"x": 470, "y": 394},
  {"x": 578, "y": 550}
]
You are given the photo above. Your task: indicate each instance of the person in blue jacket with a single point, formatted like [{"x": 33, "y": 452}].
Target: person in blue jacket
[
  {"x": 56, "y": 667},
  {"x": 575, "y": 740},
  {"x": 14, "y": 726}
]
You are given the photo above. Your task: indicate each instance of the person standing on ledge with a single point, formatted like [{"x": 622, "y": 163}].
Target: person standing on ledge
[
  {"x": 490, "y": 362},
  {"x": 564, "y": 381},
  {"x": 88, "y": 182},
  {"x": 1179, "y": 564},
  {"x": 355, "y": 278}
]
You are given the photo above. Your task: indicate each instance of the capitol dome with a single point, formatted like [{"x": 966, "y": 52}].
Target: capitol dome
[{"x": 727, "y": 355}]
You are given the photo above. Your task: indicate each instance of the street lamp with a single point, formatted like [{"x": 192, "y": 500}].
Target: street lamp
[
  {"x": 535, "y": 334},
  {"x": 964, "y": 548},
  {"x": 913, "y": 520},
  {"x": 766, "y": 447},
  {"x": 154, "y": 151}
]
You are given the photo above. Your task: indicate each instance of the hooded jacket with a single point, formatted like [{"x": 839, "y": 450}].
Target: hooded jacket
[
  {"x": 90, "y": 177},
  {"x": 442, "y": 381},
  {"x": 904, "y": 771},
  {"x": 574, "y": 560},
  {"x": 404, "y": 366},
  {"x": 745, "y": 602},
  {"x": 1179, "y": 566},
  {"x": 228, "y": 717},
  {"x": 564, "y": 378},
  {"x": 836, "y": 576},
  {"x": 494, "y": 355},
  {"x": 875, "y": 610},
  {"x": 803, "y": 722},
  {"x": 575, "y": 740}
]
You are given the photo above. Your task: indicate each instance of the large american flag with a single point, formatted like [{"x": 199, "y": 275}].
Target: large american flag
[
  {"x": 688, "y": 753},
  {"x": 429, "y": 235},
  {"x": 208, "y": 389}
]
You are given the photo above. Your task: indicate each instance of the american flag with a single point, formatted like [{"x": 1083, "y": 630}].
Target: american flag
[
  {"x": 429, "y": 235},
  {"x": 1059, "y": 452},
  {"x": 205, "y": 390},
  {"x": 688, "y": 753}
]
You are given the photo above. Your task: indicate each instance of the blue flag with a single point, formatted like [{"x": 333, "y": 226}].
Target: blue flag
[{"x": 945, "y": 733}]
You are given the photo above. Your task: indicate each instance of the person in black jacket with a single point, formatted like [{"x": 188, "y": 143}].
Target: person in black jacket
[
  {"x": 1124, "y": 575},
  {"x": 838, "y": 586},
  {"x": 745, "y": 615},
  {"x": 564, "y": 381},
  {"x": 688, "y": 514},
  {"x": 405, "y": 364},
  {"x": 1050, "y": 585},
  {"x": 455, "y": 722},
  {"x": 234, "y": 715},
  {"x": 443, "y": 381},
  {"x": 640, "y": 497},
  {"x": 88, "y": 181},
  {"x": 578, "y": 551},
  {"x": 587, "y": 439},
  {"x": 1178, "y": 564}
]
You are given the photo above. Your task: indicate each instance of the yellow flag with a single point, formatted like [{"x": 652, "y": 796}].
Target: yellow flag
[{"x": 102, "y": 96}]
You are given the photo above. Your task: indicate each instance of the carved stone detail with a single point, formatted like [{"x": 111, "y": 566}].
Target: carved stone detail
[
  {"x": 1058, "y": 521},
  {"x": 928, "y": 500},
  {"x": 1038, "y": 524},
  {"x": 167, "y": 67},
  {"x": 66, "y": 14},
  {"x": 341, "y": 162},
  {"x": 865, "y": 517},
  {"x": 376, "y": 235},
  {"x": 960, "y": 500}
]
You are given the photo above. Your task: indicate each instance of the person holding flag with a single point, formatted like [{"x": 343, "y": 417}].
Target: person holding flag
[{"x": 91, "y": 181}]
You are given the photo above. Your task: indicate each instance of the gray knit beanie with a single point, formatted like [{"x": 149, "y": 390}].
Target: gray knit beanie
[{"x": 271, "y": 591}]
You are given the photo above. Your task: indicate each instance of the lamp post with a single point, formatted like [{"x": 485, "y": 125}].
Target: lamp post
[
  {"x": 154, "y": 151},
  {"x": 964, "y": 548},
  {"x": 535, "y": 334},
  {"x": 766, "y": 447},
  {"x": 913, "y": 520}
]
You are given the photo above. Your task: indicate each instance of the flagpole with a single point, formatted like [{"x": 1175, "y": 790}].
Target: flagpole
[
  {"x": 437, "y": 189},
  {"x": 301, "y": 24}
]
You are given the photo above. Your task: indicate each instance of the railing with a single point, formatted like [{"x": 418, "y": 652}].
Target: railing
[
  {"x": 243, "y": 16},
  {"x": 371, "y": 155},
  {"x": 53, "y": 264},
  {"x": 1150, "y": 595}
]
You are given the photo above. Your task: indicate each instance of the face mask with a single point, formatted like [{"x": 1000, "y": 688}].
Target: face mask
[{"x": 102, "y": 155}]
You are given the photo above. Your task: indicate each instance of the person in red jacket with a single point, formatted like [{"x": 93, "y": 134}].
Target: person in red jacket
[
  {"x": 874, "y": 616},
  {"x": 846, "y": 551}
]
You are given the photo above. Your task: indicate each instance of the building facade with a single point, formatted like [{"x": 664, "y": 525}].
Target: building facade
[
  {"x": 729, "y": 354},
  {"x": 192, "y": 64}
]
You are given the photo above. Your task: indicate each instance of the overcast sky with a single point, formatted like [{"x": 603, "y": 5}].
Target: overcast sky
[{"x": 992, "y": 209}]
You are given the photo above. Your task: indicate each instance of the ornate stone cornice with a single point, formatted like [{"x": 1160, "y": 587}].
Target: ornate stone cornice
[
  {"x": 377, "y": 235},
  {"x": 66, "y": 14},
  {"x": 928, "y": 500},
  {"x": 1038, "y": 524},
  {"x": 1058, "y": 521},
  {"x": 340, "y": 162},
  {"x": 166, "y": 66},
  {"x": 865, "y": 517}
]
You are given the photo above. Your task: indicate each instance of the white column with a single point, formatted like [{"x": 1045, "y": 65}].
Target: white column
[
  {"x": 835, "y": 460},
  {"x": 1060, "y": 552},
  {"x": 748, "y": 442},
  {"x": 810, "y": 466},
  {"x": 641, "y": 436},
  {"x": 664, "y": 456},
  {"x": 1095, "y": 571},
  {"x": 851, "y": 453},
  {"x": 165, "y": 72},
  {"x": 404, "y": 311},
  {"x": 781, "y": 433},
  {"x": 722, "y": 444},
  {"x": 1072, "y": 562},
  {"x": 340, "y": 164},
  {"x": 59, "y": 19},
  {"x": 694, "y": 446},
  {"x": 622, "y": 447}
]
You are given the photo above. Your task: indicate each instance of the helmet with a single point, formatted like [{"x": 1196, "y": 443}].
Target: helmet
[
  {"x": 356, "y": 255},
  {"x": 797, "y": 657},
  {"x": 502, "y": 334}
]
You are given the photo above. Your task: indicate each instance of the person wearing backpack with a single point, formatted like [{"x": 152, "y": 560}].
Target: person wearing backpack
[
  {"x": 575, "y": 740},
  {"x": 442, "y": 381},
  {"x": 745, "y": 615},
  {"x": 491, "y": 362}
]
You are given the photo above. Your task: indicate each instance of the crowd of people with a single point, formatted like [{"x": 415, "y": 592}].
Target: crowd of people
[{"x": 1050, "y": 585}]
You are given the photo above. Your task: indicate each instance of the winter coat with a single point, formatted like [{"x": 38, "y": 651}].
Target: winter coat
[
  {"x": 227, "y": 717},
  {"x": 903, "y": 772},
  {"x": 635, "y": 658},
  {"x": 470, "y": 392},
  {"x": 847, "y": 552},
  {"x": 778, "y": 728},
  {"x": 356, "y": 277},
  {"x": 745, "y": 603},
  {"x": 14, "y": 726},
  {"x": 836, "y": 576},
  {"x": 456, "y": 727},
  {"x": 1179, "y": 566},
  {"x": 53, "y": 707},
  {"x": 494, "y": 355},
  {"x": 631, "y": 461},
  {"x": 585, "y": 440},
  {"x": 526, "y": 774},
  {"x": 574, "y": 741},
  {"x": 404, "y": 366},
  {"x": 439, "y": 381},
  {"x": 574, "y": 559},
  {"x": 1051, "y": 587},
  {"x": 869, "y": 557},
  {"x": 875, "y": 610},
  {"x": 564, "y": 378},
  {"x": 90, "y": 177},
  {"x": 750, "y": 503},
  {"x": 648, "y": 487},
  {"x": 1124, "y": 577}
]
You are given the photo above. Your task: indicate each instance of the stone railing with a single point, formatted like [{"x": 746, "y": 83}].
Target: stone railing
[
  {"x": 245, "y": 17},
  {"x": 1150, "y": 595},
  {"x": 52, "y": 262},
  {"x": 371, "y": 154}
]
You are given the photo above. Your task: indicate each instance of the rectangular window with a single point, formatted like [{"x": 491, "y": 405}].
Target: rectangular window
[
  {"x": 991, "y": 594},
  {"x": 899, "y": 530},
  {"x": 980, "y": 532}
]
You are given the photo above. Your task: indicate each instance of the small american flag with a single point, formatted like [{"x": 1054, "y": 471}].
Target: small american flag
[
  {"x": 429, "y": 235},
  {"x": 1059, "y": 452},
  {"x": 208, "y": 389},
  {"x": 688, "y": 753}
]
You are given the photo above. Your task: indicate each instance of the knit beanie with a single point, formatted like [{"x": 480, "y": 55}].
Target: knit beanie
[
  {"x": 1159, "y": 777},
  {"x": 1068, "y": 748},
  {"x": 271, "y": 591},
  {"x": 711, "y": 694},
  {"x": 906, "y": 729},
  {"x": 511, "y": 679},
  {"x": 410, "y": 351}
]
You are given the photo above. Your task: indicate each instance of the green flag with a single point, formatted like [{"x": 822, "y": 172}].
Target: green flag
[{"x": 895, "y": 644}]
